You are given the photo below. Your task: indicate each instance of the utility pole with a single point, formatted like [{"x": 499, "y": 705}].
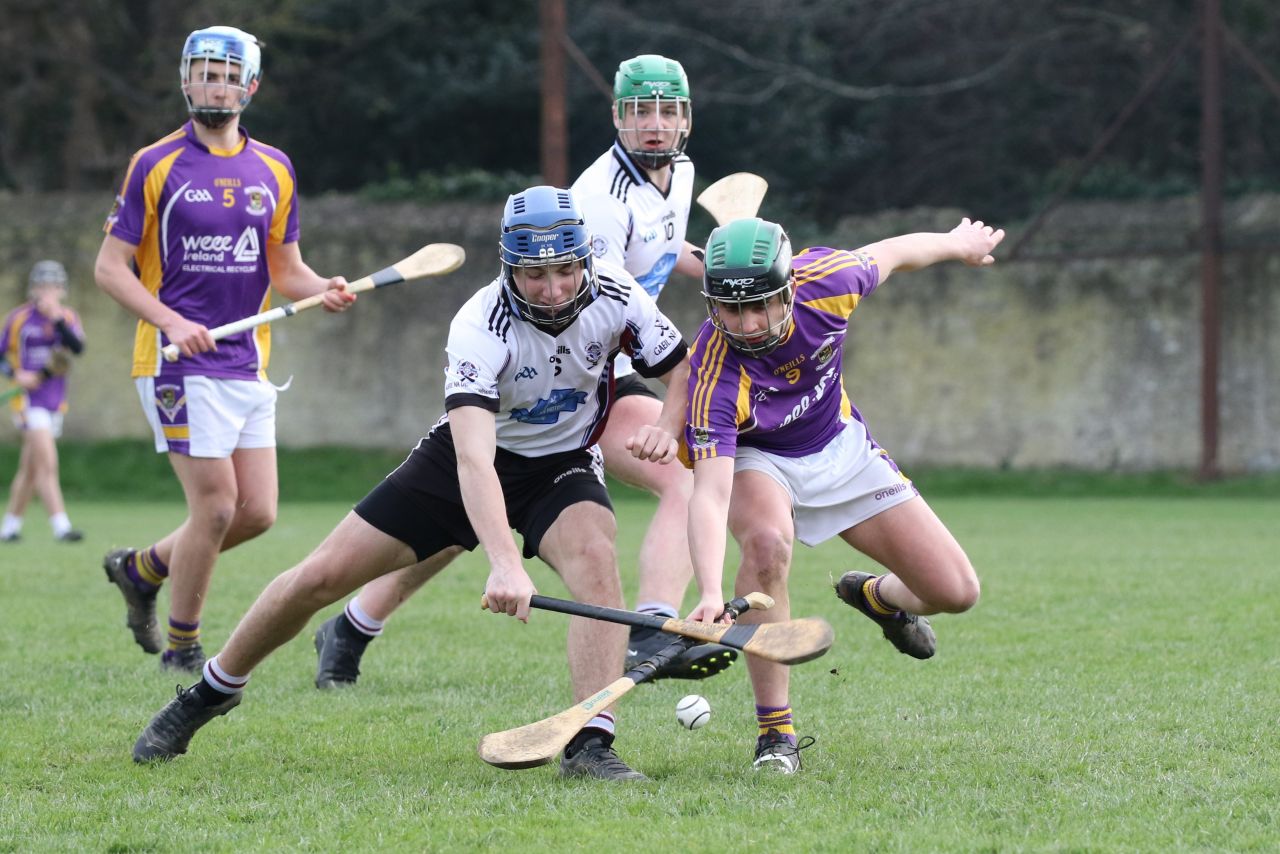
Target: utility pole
[
  {"x": 1211, "y": 233},
  {"x": 555, "y": 122}
]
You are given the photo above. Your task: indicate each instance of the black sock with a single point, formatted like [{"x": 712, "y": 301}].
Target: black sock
[
  {"x": 346, "y": 630},
  {"x": 209, "y": 695}
]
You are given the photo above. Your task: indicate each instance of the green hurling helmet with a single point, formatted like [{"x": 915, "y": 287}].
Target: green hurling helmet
[
  {"x": 652, "y": 86},
  {"x": 748, "y": 270}
]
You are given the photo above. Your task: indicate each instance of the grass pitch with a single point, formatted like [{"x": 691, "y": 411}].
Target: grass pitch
[{"x": 1114, "y": 690}]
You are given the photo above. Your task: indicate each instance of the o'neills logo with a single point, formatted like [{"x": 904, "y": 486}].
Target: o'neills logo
[{"x": 893, "y": 490}]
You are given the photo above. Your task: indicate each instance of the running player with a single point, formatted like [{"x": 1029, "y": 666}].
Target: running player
[
  {"x": 38, "y": 340},
  {"x": 635, "y": 199},
  {"x": 205, "y": 223},
  {"x": 779, "y": 453},
  {"x": 527, "y": 388}
]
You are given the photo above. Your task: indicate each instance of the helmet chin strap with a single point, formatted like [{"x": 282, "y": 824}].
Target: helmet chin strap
[{"x": 213, "y": 119}]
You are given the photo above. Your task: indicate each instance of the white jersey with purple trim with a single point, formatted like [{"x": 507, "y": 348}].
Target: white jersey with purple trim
[
  {"x": 633, "y": 224},
  {"x": 552, "y": 393}
]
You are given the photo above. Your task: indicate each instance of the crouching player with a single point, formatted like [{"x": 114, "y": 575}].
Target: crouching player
[
  {"x": 780, "y": 453},
  {"x": 528, "y": 386}
]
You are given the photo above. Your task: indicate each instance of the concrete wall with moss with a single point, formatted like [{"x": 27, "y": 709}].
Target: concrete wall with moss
[{"x": 1087, "y": 356}]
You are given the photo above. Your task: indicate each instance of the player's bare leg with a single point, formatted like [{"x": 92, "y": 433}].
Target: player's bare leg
[
  {"x": 580, "y": 545},
  {"x": 760, "y": 520},
  {"x": 212, "y": 494},
  {"x": 20, "y": 492},
  {"x": 257, "y": 501},
  {"x": 928, "y": 573},
  {"x": 665, "y": 568},
  {"x": 351, "y": 555},
  {"x": 42, "y": 452}
]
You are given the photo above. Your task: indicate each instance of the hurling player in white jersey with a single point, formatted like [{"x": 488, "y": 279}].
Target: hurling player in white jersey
[
  {"x": 527, "y": 389},
  {"x": 636, "y": 199}
]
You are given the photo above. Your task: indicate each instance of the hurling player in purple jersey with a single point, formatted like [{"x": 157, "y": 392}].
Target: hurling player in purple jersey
[
  {"x": 779, "y": 453},
  {"x": 204, "y": 227},
  {"x": 37, "y": 342}
]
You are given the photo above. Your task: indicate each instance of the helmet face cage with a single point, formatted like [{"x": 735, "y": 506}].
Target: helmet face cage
[
  {"x": 46, "y": 273},
  {"x": 748, "y": 269},
  {"x": 542, "y": 227},
  {"x": 235, "y": 57},
  {"x": 651, "y": 97},
  {"x": 777, "y": 320},
  {"x": 641, "y": 118}
]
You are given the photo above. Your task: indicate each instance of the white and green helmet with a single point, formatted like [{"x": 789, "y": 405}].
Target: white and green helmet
[
  {"x": 47, "y": 273},
  {"x": 660, "y": 83},
  {"x": 748, "y": 261}
]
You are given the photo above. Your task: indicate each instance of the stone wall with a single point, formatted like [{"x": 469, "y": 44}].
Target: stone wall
[{"x": 1090, "y": 362}]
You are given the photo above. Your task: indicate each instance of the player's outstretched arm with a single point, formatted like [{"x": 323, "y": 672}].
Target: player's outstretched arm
[
  {"x": 708, "y": 517},
  {"x": 970, "y": 242}
]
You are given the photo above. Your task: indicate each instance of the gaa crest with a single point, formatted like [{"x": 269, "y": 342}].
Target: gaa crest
[
  {"x": 825, "y": 352},
  {"x": 594, "y": 351},
  {"x": 256, "y": 195},
  {"x": 170, "y": 400}
]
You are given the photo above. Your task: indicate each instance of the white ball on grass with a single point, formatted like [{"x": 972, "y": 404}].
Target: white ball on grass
[{"x": 693, "y": 711}]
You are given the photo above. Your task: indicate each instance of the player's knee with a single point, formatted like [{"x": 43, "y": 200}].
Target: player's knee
[
  {"x": 597, "y": 566},
  {"x": 215, "y": 514},
  {"x": 960, "y": 593},
  {"x": 767, "y": 551},
  {"x": 254, "y": 519},
  {"x": 317, "y": 584}
]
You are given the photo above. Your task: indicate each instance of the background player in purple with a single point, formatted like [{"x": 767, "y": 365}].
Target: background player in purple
[
  {"x": 38, "y": 340},
  {"x": 205, "y": 225},
  {"x": 779, "y": 453}
]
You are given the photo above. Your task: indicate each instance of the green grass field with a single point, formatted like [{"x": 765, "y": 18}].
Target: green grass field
[{"x": 1114, "y": 690}]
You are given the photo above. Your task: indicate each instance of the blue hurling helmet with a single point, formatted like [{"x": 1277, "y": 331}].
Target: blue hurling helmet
[
  {"x": 542, "y": 227},
  {"x": 228, "y": 46}
]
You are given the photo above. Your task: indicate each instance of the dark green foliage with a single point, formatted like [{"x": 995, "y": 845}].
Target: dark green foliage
[{"x": 846, "y": 106}]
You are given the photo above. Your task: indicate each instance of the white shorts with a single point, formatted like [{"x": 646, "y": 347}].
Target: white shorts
[
  {"x": 38, "y": 418},
  {"x": 847, "y": 482},
  {"x": 207, "y": 416}
]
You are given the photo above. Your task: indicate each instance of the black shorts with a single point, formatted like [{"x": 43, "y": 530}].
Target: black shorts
[
  {"x": 632, "y": 384},
  {"x": 420, "y": 503}
]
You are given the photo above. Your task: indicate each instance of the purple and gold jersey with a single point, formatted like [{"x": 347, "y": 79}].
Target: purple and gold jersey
[
  {"x": 27, "y": 342},
  {"x": 201, "y": 220},
  {"x": 790, "y": 402}
]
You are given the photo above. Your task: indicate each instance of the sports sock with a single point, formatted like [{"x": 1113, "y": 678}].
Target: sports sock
[
  {"x": 871, "y": 595},
  {"x": 660, "y": 608},
  {"x": 218, "y": 683},
  {"x": 183, "y": 635},
  {"x": 604, "y": 722},
  {"x": 59, "y": 523},
  {"x": 11, "y": 525},
  {"x": 359, "y": 620},
  {"x": 146, "y": 570},
  {"x": 777, "y": 719}
]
